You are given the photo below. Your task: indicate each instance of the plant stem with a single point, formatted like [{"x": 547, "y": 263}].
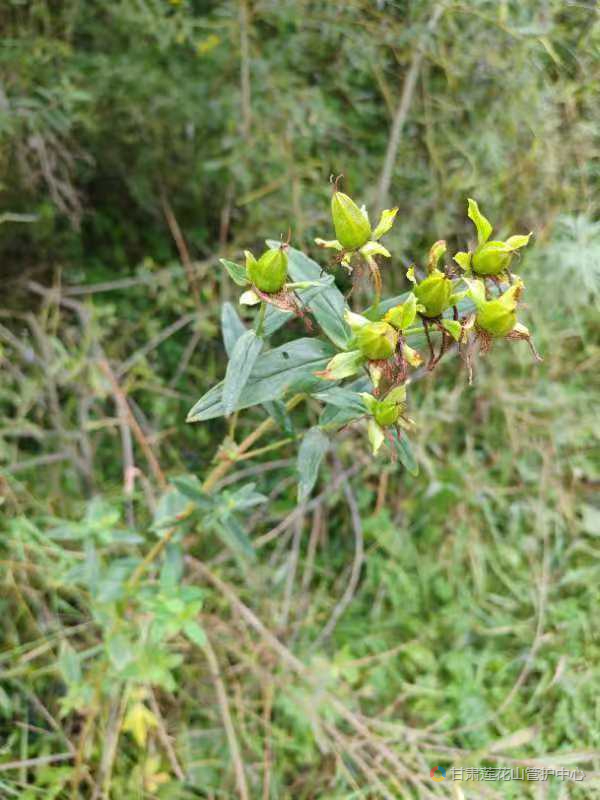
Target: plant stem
[{"x": 222, "y": 468}]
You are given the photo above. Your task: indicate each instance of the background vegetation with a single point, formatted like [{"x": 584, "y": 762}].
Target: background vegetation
[{"x": 142, "y": 139}]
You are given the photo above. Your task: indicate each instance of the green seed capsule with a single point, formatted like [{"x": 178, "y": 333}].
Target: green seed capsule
[
  {"x": 377, "y": 340},
  {"x": 499, "y": 317},
  {"x": 492, "y": 258},
  {"x": 386, "y": 413},
  {"x": 434, "y": 293},
  {"x": 496, "y": 319},
  {"x": 352, "y": 228},
  {"x": 269, "y": 273}
]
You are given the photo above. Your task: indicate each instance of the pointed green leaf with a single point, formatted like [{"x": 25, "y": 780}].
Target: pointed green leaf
[
  {"x": 232, "y": 327},
  {"x": 483, "y": 225},
  {"x": 194, "y": 632},
  {"x": 403, "y": 315},
  {"x": 312, "y": 450},
  {"x": 464, "y": 261},
  {"x": 237, "y": 273},
  {"x": 354, "y": 321},
  {"x": 404, "y": 452},
  {"x": 277, "y": 410},
  {"x": 438, "y": 249},
  {"x": 518, "y": 241},
  {"x": 453, "y": 327},
  {"x": 329, "y": 244},
  {"x": 228, "y": 527},
  {"x": 286, "y": 368},
  {"x": 375, "y": 249},
  {"x": 343, "y": 365},
  {"x": 476, "y": 291},
  {"x": 243, "y": 358},
  {"x": 342, "y": 397},
  {"x": 376, "y": 436},
  {"x": 385, "y": 223}
]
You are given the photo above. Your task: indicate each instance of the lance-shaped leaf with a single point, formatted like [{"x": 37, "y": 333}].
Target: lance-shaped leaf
[
  {"x": 404, "y": 452},
  {"x": 376, "y": 436},
  {"x": 343, "y": 365},
  {"x": 483, "y": 225},
  {"x": 375, "y": 249},
  {"x": 454, "y": 328},
  {"x": 243, "y": 358},
  {"x": 233, "y": 535},
  {"x": 476, "y": 291},
  {"x": 403, "y": 315},
  {"x": 329, "y": 244},
  {"x": 438, "y": 249},
  {"x": 326, "y": 303},
  {"x": 232, "y": 327},
  {"x": 518, "y": 241},
  {"x": 343, "y": 404},
  {"x": 288, "y": 367},
  {"x": 385, "y": 222},
  {"x": 312, "y": 450},
  {"x": 275, "y": 318},
  {"x": 237, "y": 273},
  {"x": 342, "y": 397},
  {"x": 464, "y": 261}
]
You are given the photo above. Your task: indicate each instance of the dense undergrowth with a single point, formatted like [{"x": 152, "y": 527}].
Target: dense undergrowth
[{"x": 472, "y": 635}]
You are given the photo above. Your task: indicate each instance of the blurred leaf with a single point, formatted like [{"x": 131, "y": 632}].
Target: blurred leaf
[
  {"x": 484, "y": 227},
  {"x": 232, "y": 327},
  {"x": 242, "y": 360},
  {"x": 285, "y": 368},
  {"x": 237, "y": 273},
  {"x": 194, "y": 633},
  {"x": 404, "y": 452},
  {"x": 138, "y": 721},
  {"x": 312, "y": 449},
  {"x": 234, "y": 536}
]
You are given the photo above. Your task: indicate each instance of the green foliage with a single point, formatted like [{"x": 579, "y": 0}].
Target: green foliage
[{"x": 433, "y": 605}]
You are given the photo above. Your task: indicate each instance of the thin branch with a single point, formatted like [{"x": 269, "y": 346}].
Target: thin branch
[
  {"x": 141, "y": 439},
  {"x": 184, "y": 254},
  {"x": 402, "y": 110},
  {"x": 234, "y": 748},
  {"x": 165, "y": 739},
  {"x": 222, "y": 468}
]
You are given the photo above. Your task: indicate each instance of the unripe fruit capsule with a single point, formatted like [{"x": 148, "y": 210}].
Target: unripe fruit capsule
[
  {"x": 352, "y": 228},
  {"x": 377, "y": 340},
  {"x": 492, "y": 258},
  {"x": 434, "y": 293},
  {"x": 496, "y": 319},
  {"x": 386, "y": 414},
  {"x": 269, "y": 273}
]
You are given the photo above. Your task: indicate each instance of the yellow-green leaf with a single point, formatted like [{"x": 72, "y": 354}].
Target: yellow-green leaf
[
  {"x": 138, "y": 721},
  {"x": 483, "y": 225},
  {"x": 385, "y": 222}
]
